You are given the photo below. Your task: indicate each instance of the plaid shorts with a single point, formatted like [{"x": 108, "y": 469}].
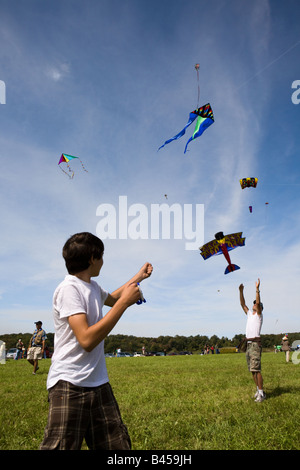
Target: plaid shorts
[
  {"x": 77, "y": 413},
  {"x": 253, "y": 356}
]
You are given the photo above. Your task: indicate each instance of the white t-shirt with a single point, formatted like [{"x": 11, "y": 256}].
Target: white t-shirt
[
  {"x": 254, "y": 324},
  {"x": 70, "y": 361}
]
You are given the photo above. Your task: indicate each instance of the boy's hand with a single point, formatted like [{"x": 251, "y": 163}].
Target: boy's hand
[
  {"x": 257, "y": 284},
  {"x": 145, "y": 271},
  {"x": 131, "y": 294},
  {"x": 241, "y": 287}
]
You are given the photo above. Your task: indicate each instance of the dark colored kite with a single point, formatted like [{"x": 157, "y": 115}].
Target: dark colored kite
[
  {"x": 248, "y": 183},
  {"x": 222, "y": 245}
]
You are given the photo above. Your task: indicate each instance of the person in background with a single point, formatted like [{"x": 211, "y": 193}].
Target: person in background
[
  {"x": 36, "y": 346},
  {"x": 19, "y": 347},
  {"x": 286, "y": 347}
]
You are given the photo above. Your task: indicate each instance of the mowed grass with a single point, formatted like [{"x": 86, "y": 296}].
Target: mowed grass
[{"x": 171, "y": 403}]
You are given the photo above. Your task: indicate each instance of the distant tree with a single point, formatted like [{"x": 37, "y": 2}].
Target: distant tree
[{"x": 176, "y": 343}]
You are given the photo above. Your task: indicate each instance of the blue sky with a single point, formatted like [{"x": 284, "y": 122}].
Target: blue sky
[{"x": 109, "y": 81}]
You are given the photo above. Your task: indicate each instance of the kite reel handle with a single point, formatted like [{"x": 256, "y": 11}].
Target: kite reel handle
[{"x": 142, "y": 299}]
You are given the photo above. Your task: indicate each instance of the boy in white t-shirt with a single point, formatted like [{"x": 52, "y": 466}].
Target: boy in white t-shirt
[
  {"x": 81, "y": 401},
  {"x": 254, "y": 348}
]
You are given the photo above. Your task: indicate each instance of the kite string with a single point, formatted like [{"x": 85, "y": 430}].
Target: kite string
[
  {"x": 198, "y": 88},
  {"x": 268, "y": 65}
]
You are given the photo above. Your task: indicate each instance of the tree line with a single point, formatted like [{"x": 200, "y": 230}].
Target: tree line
[{"x": 166, "y": 344}]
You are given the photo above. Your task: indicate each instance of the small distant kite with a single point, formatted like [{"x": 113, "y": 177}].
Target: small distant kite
[
  {"x": 205, "y": 118},
  {"x": 222, "y": 245},
  {"x": 250, "y": 209},
  {"x": 248, "y": 183},
  {"x": 65, "y": 158}
]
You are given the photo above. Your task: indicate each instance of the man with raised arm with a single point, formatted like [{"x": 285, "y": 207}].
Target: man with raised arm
[{"x": 254, "y": 348}]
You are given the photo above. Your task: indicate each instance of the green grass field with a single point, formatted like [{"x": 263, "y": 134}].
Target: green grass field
[{"x": 171, "y": 403}]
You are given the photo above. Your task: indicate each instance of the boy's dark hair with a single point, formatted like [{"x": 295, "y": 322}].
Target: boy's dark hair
[{"x": 79, "y": 249}]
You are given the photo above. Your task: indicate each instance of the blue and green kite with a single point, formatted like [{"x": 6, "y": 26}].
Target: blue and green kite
[{"x": 205, "y": 118}]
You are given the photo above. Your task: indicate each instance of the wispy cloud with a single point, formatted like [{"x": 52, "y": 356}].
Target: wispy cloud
[{"x": 58, "y": 73}]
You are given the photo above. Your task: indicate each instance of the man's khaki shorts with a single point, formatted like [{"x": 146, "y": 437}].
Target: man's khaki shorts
[
  {"x": 253, "y": 356},
  {"x": 34, "y": 353}
]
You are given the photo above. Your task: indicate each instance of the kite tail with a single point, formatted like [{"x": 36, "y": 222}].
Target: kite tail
[
  {"x": 192, "y": 117},
  {"x": 180, "y": 134},
  {"x": 83, "y": 166},
  {"x": 70, "y": 171},
  {"x": 230, "y": 268},
  {"x": 201, "y": 125}
]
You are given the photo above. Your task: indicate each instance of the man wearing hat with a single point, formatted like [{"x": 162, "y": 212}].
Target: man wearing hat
[
  {"x": 285, "y": 347},
  {"x": 36, "y": 346}
]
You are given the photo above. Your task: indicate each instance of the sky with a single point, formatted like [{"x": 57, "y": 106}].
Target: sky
[{"x": 110, "y": 81}]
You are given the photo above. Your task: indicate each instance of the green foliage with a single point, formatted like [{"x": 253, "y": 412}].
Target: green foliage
[
  {"x": 171, "y": 403},
  {"x": 185, "y": 343},
  {"x": 176, "y": 343},
  {"x": 11, "y": 339}
]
